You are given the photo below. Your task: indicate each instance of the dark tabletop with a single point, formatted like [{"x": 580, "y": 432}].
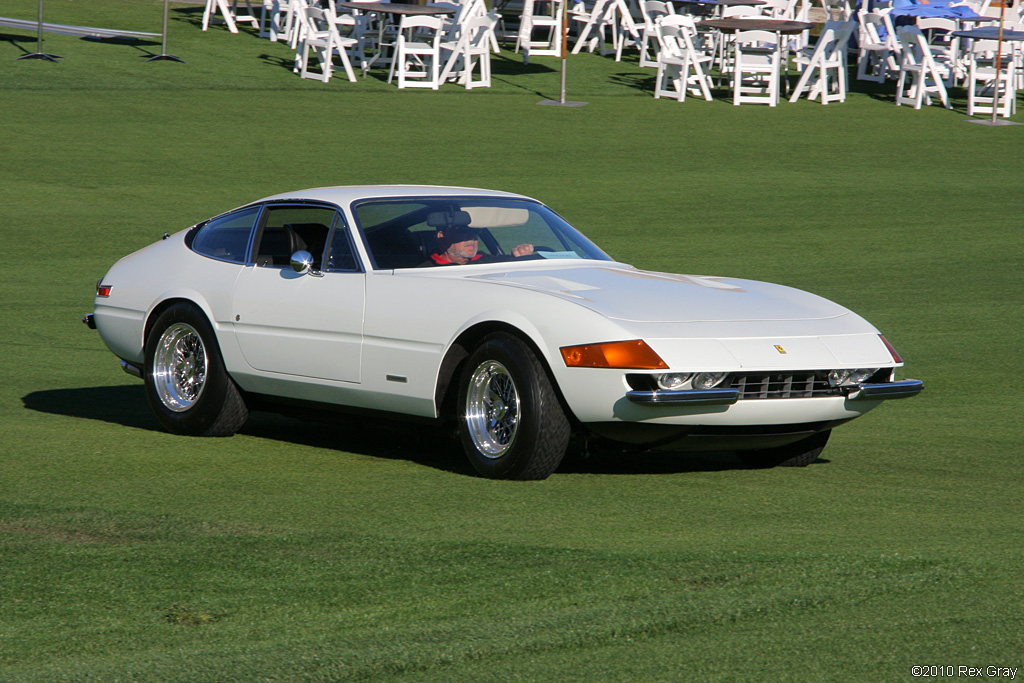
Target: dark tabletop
[
  {"x": 989, "y": 33},
  {"x": 754, "y": 24},
  {"x": 723, "y": 3},
  {"x": 395, "y": 8}
]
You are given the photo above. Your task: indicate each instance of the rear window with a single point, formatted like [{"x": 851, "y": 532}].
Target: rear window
[{"x": 227, "y": 237}]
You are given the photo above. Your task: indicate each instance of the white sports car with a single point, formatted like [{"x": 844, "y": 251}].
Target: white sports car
[{"x": 487, "y": 309}]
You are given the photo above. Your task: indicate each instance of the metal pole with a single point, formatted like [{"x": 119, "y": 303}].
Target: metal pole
[
  {"x": 994, "y": 121},
  {"x": 565, "y": 39},
  {"x": 999, "y": 63},
  {"x": 163, "y": 47},
  {"x": 39, "y": 54}
]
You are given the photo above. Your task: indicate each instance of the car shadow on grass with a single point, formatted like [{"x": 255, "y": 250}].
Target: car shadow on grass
[
  {"x": 126, "y": 405},
  {"x": 427, "y": 445},
  {"x": 627, "y": 462}
]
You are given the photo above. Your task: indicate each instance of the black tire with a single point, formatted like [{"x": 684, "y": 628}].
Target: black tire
[
  {"x": 511, "y": 423},
  {"x": 186, "y": 383},
  {"x": 799, "y": 454}
]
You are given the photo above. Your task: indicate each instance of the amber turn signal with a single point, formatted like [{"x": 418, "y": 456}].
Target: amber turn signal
[
  {"x": 634, "y": 354},
  {"x": 895, "y": 356}
]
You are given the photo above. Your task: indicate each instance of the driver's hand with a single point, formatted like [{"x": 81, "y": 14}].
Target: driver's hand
[{"x": 522, "y": 250}]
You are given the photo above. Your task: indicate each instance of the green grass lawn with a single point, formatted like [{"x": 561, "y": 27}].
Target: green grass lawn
[{"x": 367, "y": 551}]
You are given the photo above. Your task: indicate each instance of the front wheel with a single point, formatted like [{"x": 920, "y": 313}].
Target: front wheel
[
  {"x": 186, "y": 383},
  {"x": 511, "y": 423},
  {"x": 799, "y": 454}
]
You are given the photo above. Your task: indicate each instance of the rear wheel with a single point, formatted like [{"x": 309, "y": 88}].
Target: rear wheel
[
  {"x": 186, "y": 383},
  {"x": 511, "y": 423},
  {"x": 799, "y": 454}
]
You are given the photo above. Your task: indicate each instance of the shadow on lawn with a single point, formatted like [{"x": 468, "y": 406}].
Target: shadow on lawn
[
  {"x": 16, "y": 40},
  {"x": 126, "y": 405},
  {"x": 123, "y": 405},
  {"x": 194, "y": 15},
  {"x": 427, "y": 445}
]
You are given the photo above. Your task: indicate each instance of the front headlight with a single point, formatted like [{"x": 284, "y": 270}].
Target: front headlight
[
  {"x": 672, "y": 381},
  {"x": 839, "y": 378},
  {"x": 708, "y": 380}
]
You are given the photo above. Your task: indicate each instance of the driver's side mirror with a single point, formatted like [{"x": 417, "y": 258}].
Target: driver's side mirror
[{"x": 302, "y": 261}]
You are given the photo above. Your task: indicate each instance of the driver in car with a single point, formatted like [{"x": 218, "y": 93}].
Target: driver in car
[{"x": 458, "y": 245}]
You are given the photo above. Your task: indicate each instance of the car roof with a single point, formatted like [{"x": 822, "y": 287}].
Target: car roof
[{"x": 346, "y": 194}]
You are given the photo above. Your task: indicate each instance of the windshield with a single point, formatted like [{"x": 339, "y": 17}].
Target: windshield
[{"x": 426, "y": 232}]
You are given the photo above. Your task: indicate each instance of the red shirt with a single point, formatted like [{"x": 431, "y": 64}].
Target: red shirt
[{"x": 442, "y": 261}]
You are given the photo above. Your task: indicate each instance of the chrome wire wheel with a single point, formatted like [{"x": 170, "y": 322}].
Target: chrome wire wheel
[
  {"x": 179, "y": 367},
  {"x": 492, "y": 409}
]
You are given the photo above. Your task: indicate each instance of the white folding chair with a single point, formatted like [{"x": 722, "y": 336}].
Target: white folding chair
[
  {"x": 826, "y": 65},
  {"x": 548, "y": 25},
  {"x": 466, "y": 10},
  {"x": 875, "y": 54},
  {"x": 801, "y": 12},
  {"x": 278, "y": 19},
  {"x": 681, "y": 67},
  {"x": 451, "y": 23},
  {"x": 756, "y": 68},
  {"x": 985, "y": 76},
  {"x": 322, "y": 37},
  {"x": 838, "y": 10},
  {"x": 418, "y": 52},
  {"x": 471, "y": 52},
  {"x": 229, "y": 12},
  {"x": 722, "y": 41},
  {"x": 359, "y": 27},
  {"x": 652, "y": 12},
  {"x": 779, "y": 9},
  {"x": 626, "y": 29},
  {"x": 920, "y": 75},
  {"x": 945, "y": 47},
  {"x": 601, "y": 18}
]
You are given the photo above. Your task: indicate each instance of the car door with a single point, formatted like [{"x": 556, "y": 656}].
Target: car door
[{"x": 305, "y": 324}]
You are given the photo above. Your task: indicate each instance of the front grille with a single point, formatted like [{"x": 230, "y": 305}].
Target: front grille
[{"x": 781, "y": 385}]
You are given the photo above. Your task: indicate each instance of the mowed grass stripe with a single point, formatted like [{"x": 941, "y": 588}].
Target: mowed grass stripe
[{"x": 367, "y": 551}]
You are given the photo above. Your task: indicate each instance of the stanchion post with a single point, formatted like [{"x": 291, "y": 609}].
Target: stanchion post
[
  {"x": 999, "y": 79},
  {"x": 565, "y": 39},
  {"x": 163, "y": 43},
  {"x": 39, "y": 54}
]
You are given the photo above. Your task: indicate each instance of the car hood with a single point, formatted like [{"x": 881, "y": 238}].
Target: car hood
[{"x": 628, "y": 294}]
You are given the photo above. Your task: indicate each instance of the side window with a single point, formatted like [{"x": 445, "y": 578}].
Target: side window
[
  {"x": 340, "y": 254},
  {"x": 227, "y": 237},
  {"x": 287, "y": 229}
]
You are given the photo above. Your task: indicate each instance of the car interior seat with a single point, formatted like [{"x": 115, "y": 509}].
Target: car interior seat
[{"x": 312, "y": 237}]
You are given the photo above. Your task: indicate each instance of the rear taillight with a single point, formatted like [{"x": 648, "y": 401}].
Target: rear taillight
[{"x": 102, "y": 289}]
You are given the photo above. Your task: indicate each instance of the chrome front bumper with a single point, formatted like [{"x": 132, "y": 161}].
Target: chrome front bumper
[
  {"x": 691, "y": 397},
  {"x": 905, "y": 388},
  {"x": 727, "y": 397}
]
